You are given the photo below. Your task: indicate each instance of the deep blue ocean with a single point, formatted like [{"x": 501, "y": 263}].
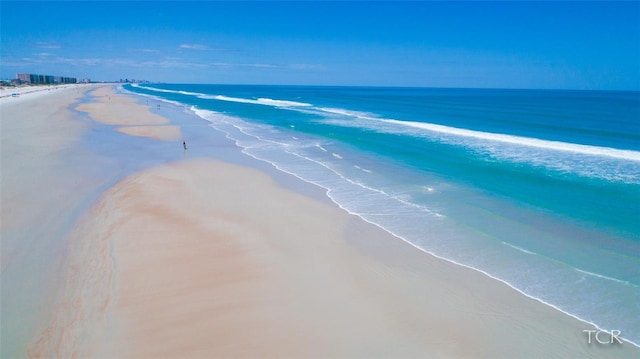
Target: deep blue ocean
[{"x": 537, "y": 188}]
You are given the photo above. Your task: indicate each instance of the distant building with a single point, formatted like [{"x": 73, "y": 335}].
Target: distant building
[
  {"x": 36, "y": 79},
  {"x": 68, "y": 80},
  {"x": 133, "y": 81},
  {"x": 24, "y": 78}
]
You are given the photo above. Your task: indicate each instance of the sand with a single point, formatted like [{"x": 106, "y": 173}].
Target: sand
[
  {"x": 44, "y": 181},
  {"x": 202, "y": 258},
  {"x": 29, "y": 90},
  {"x": 136, "y": 120}
]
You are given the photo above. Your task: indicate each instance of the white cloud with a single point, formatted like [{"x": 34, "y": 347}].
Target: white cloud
[
  {"x": 119, "y": 62},
  {"x": 261, "y": 66},
  {"x": 48, "y": 45},
  {"x": 150, "y": 51},
  {"x": 300, "y": 67},
  {"x": 307, "y": 67},
  {"x": 194, "y": 47},
  {"x": 164, "y": 62}
]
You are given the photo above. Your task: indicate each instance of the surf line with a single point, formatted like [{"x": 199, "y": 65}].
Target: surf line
[{"x": 523, "y": 141}]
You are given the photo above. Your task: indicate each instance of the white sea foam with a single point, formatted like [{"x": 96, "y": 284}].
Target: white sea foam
[
  {"x": 344, "y": 112},
  {"x": 168, "y": 91},
  {"x": 260, "y": 101},
  {"x": 157, "y": 98},
  {"x": 603, "y": 277},
  {"x": 487, "y": 136},
  {"x": 217, "y": 117},
  {"x": 518, "y": 248},
  {"x": 281, "y": 103},
  {"x": 362, "y": 169},
  {"x": 524, "y": 141},
  {"x": 190, "y": 93},
  {"x": 624, "y": 168}
]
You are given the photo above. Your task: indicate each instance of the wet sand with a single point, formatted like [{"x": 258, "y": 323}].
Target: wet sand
[{"x": 134, "y": 119}]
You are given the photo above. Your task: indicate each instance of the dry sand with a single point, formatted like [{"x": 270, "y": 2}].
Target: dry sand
[
  {"x": 29, "y": 90},
  {"x": 200, "y": 258},
  {"x": 44, "y": 179}
]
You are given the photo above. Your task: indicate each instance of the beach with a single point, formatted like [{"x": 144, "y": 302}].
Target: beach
[{"x": 191, "y": 256}]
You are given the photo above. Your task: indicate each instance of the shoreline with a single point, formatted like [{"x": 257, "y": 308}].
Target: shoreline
[
  {"x": 451, "y": 261},
  {"x": 327, "y": 195},
  {"x": 388, "y": 285}
]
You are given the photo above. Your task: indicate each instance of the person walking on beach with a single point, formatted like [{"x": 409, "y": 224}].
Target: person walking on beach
[{"x": 184, "y": 144}]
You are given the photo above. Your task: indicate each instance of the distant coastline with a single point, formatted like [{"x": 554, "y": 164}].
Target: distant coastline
[{"x": 19, "y": 90}]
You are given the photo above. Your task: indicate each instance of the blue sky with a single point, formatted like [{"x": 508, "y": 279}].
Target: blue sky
[{"x": 574, "y": 45}]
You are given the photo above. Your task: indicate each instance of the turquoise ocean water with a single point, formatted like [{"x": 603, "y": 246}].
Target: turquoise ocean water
[{"x": 539, "y": 189}]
